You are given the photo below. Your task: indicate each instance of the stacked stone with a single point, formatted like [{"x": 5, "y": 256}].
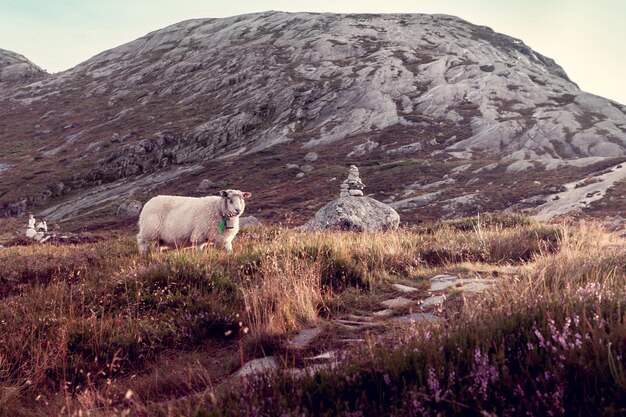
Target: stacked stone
[{"x": 352, "y": 186}]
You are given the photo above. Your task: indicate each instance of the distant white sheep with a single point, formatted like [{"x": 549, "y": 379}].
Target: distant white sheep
[{"x": 184, "y": 221}]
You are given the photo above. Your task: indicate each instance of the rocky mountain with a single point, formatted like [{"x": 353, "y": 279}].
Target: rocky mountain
[
  {"x": 444, "y": 118},
  {"x": 15, "y": 67}
]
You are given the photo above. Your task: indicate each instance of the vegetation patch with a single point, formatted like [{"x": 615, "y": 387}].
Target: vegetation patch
[{"x": 97, "y": 329}]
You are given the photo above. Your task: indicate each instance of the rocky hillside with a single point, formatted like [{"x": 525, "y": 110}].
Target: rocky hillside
[
  {"x": 15, "y": 67},
  {"x": 443, "y": 116}
]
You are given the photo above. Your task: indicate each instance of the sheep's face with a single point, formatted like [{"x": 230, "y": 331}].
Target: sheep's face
[{"x": 234, "y": 202}]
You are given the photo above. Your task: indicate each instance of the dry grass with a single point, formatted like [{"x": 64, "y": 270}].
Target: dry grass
[
  {"x": 548, "y": 341},
  {"x": 81, "y": 325}
]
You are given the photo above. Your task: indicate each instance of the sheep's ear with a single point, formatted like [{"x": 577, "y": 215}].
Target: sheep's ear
[
  {"x": 224, "y": 193},
  {"x": 247, "y": 195}
]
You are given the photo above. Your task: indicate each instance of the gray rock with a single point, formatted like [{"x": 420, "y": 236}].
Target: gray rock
[
  {"x": 311, "y": 157},
  {"x": 129, "y": 208},
  {"x": 292, "y": 166},
  {"x": 406, "y": 150},
  {"x": 15, "y": 67},
  {"x": 433, "y": 301},
  {"x": 418, "y": 318},
  {"x": 418, "y": 201},
  {"x": 362, "y": 149},
  {"x": 361, "y": 214},
  {"x": 205, "y": 186},
  {"x": 476, "y": 286},
  {"x": 300, "y": 175},
  {"x": 305, "y": 337},
  {"x": 383, "y": 313},
  {"x": 441, "y": 282},
  {"x": 404, "y": 288},
  {"x": 397, "y": 302},
  {"x": 355, "y": 193},
  {"x": 307, "y": 168},
  {"x": 258, "y": 366},
  {"x": 248, "y": 221},
  {"x": 330, "y": 355}
]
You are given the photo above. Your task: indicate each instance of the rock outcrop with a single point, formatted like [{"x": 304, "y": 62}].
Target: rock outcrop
[
  {"x": 15, "y": 67},
  {"x": 354, "y": 212},
  {"x": 129, "y": 208},
  {"x": 358, "y": 214}
]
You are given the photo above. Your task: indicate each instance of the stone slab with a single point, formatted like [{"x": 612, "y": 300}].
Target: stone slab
[
  {"x": 330, "y": 355},
  {"x": 359, "y": 318},
  {"x": 397, "y": 302},
  {"x": 305, "y": 337},
  {"x": 476, "y": 286},
  {"x": 418, "y": 318},
  {"x": 441, "y": 282},
  {"x": 404, "y": 288},
  {"x": 258, "y": 366},
  {"x": 383, "y": 313},
  {"x": 433, "y": 301}
]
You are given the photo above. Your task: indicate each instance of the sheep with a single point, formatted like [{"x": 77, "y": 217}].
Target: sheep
[{"x": 183, "y": 221}]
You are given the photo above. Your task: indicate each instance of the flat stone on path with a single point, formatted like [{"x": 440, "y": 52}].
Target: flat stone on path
[
  {"x": 330, "y": 355},
  {"x": 441, "y": 282},
  {"x": 383, "y": 313},
  {"x": 353, "y": 322},
  {"x": 404, "y": 288},
  {"x": 433, "y": 301},
  {"x": 397, "y": 302},
  {"x": 258, "y": 366},
  {"x": 359, "y": 318},
  {"x": 476, "y": 286},
  {"x": 351, "y": 340},
  {"x": 305, "y": 337},
  {"x": 417, "y": 318}
]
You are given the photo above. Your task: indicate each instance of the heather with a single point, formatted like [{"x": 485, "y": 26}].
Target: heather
[
  {"x": 551, "y": 343},
  {"x": 96, "y": 329}
]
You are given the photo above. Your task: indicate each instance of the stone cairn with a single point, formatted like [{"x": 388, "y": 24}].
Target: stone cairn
[{"x": 352, "y": 186}]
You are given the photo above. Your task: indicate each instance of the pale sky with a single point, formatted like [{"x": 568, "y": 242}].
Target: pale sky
[{"x": 586, "y": 37}]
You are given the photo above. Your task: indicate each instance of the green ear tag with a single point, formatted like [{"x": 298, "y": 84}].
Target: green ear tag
[{"x": 222, "y": 224}]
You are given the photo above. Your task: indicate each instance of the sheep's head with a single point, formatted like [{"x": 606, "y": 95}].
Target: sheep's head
[{"x": 233, "y": 202}]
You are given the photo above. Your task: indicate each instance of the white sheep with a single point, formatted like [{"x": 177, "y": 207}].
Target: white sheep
[{"x": 184, "y": 221}]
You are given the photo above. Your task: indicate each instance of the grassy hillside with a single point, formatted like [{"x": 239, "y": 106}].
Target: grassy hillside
[{"x": 95, "y": 329}]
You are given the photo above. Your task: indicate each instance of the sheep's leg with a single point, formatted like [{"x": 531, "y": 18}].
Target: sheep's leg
[
  {"x": 195, "y": 238},
  {"x": 228, "y": 245}
]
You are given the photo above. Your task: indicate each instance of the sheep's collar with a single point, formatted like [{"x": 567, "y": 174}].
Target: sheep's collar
[
  {"x": 227, "y": 220},
  {"x": 222, "y": 224}
]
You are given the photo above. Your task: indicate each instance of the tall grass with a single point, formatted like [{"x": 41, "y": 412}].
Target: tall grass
[
  {"x": 551, "y": 342},
  {"x": 281, "y": 294},
  {"x": 78, "y": 322}
]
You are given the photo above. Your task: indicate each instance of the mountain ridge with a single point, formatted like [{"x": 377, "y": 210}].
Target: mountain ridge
[{"x": 393, "y": 86}]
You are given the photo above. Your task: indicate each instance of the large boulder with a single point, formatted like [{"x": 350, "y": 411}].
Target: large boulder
[
  {"x": 359, "y": 214},
  {"x": 129, "y": 208},
  {"x": 205, "y": 186},
  {"x": 248, "y": 221}
]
